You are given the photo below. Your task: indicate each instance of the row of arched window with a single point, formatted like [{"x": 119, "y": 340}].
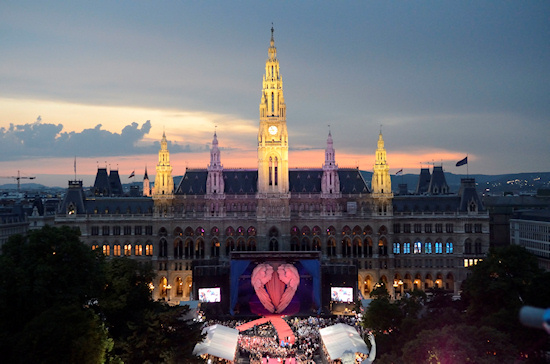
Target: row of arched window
[
  {"x": 118, "y": 250},
  {"x": 427, "y": 248},
  {"x": 294, "y": 231}
]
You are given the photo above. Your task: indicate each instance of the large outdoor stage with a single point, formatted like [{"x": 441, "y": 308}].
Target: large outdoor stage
[
  {"x": 283, "y": 283},
  {"x": 272, "y": 283}
]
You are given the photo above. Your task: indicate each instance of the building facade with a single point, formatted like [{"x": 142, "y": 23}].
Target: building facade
[
  {"x": 531, "y": 229},
  {"x": 423, "y": 239}
]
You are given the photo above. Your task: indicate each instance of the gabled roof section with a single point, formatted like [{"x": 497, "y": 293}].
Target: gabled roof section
[
  {"x": 101, "y": 184},
  {"x": 193, "y": 182},
  {"x": 469, "y": 198},
  {"x": 423, "y": 181},
  {"x": 352, "y": 181},
  {"x": 114, "y": 183},
  {"x": 240, "y": 181},
  {"x": 438, "y": 183},
  {"x": 74, "y": 199},
  {"x": 305, "y": 180}
]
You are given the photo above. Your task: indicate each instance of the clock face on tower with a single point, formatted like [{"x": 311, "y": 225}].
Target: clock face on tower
[{"x": 272, "y": 130}]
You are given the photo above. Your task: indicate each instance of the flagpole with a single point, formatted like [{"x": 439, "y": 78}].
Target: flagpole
[{"x": 467, "y": 165}]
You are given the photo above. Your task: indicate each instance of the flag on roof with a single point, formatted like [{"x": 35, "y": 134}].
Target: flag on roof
[
  {"x": 132, "y": 174},
  {"x": 399, "y": 172},
  {"x": 462, "y": 162}
]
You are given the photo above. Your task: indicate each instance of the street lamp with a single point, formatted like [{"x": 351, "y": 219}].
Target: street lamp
[{"x": 168, "y": 288}]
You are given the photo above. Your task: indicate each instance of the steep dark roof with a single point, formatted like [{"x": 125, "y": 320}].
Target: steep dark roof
[
  {"x": 244, "y": 181},
  {"x": 423, "y": 181},
  {"x": 114, "y": 183},
  {"x": 352, "y": 181},
  {"x": 305, "y": 180},
  {"x": 440, "y": 203},
  {"x": 75, "y": 197},
  {"x": 193, "y": 182},
  {"x": 438, "y": 183},
  {"x": 469, "y": 195},
  {"x": 101, "y": 184},
  {"x": 240, "y": 182}
]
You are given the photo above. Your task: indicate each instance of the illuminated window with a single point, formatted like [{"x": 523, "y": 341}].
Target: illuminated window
[
  {"x": 106, "y": 250},
  {"x": 149, "y": 249},
  {"x": 116, "y": 250},
  {"x": 127, "y": 249},
  {"x": 139, "y": 250},
  {"x": 407, "y": 248},
  {"x": 428, "y": 248},
  {"x": 95, "y": 246},
  {"x": 449, "y": 247},
  {"x": 396, "y": 248},
  {"x": 417, "y": 247},
  {"x": 438, "y": 247}
]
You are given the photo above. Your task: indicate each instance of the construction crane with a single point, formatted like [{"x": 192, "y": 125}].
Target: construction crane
[{"x": 18, "y": 178}]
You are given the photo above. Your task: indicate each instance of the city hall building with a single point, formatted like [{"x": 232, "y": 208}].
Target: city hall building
[{"x": 347, "y": 221}]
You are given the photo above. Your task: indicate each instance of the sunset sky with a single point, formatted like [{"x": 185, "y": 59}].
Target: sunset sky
[{"x": 100, "y": 81}]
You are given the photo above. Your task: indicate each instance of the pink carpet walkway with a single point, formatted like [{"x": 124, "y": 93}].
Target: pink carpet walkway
[{"x": 283, "y": 330}]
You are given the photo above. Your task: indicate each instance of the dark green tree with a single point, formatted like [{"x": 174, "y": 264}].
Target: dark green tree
[
  {"x": 459, "y": 344},
  {"x": 48, "y": 279},
  {"x": 498, "y": 287},
  {"x": 144, "y": 331}
]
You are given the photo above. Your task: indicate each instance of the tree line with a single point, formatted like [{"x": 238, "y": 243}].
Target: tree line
[
  {"x": 481, "y": 327},
  {"x": 61, "y": 302}
]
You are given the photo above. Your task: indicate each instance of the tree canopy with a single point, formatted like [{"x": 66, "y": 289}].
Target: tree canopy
[
  {"x": 481, "y": 327},
  {"x": 61, "y": 302}
]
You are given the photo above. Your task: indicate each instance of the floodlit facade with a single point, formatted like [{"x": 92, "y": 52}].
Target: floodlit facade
[{"x": 422, "y": 239}]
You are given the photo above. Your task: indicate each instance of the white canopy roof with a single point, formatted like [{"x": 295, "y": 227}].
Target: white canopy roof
[
  {"x": 340, "y": 339},
  {"x": 220, "y": 341}
]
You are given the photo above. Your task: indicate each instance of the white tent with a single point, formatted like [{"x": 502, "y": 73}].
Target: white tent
[
  {"x": 220, "y": 341},
  {"x": 341, "y": 340}
]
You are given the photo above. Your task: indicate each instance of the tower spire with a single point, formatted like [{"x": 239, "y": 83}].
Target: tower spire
[
  {"x": 381, "y": 181},
  {"x": 272, "y": 133}
]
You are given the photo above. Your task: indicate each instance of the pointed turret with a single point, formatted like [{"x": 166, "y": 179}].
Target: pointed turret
[
  {"x": 330, "y": 182},
  {"x": 146, "y": 184},
  {"x": 381, "y": 181},
  {"x": 214, "y": 181},
  {"x": 163, "y": 190}
]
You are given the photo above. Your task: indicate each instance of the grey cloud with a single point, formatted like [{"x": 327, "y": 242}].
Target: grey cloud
[{"x": 34, "y": 140}]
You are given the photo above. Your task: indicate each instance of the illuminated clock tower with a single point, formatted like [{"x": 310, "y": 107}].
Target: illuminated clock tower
[
  {"x": 272, "y": 135},
  {"x": 273, "y": 190}
]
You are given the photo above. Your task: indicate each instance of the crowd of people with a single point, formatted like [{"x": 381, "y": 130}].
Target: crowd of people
[{"x": 262, "y": 342}]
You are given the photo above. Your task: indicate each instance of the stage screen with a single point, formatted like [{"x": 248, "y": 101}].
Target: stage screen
[
  {"x": 341, "y": 294},
  {"x": 209, "y": 295},
  {"x": 288, "y": 286}
]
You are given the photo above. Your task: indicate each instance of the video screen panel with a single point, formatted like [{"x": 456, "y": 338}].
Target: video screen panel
[
  {"x": 282, "y": 287},
  {"x": 210, "y": 295},
  {"x": 341, "y": 294}
]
